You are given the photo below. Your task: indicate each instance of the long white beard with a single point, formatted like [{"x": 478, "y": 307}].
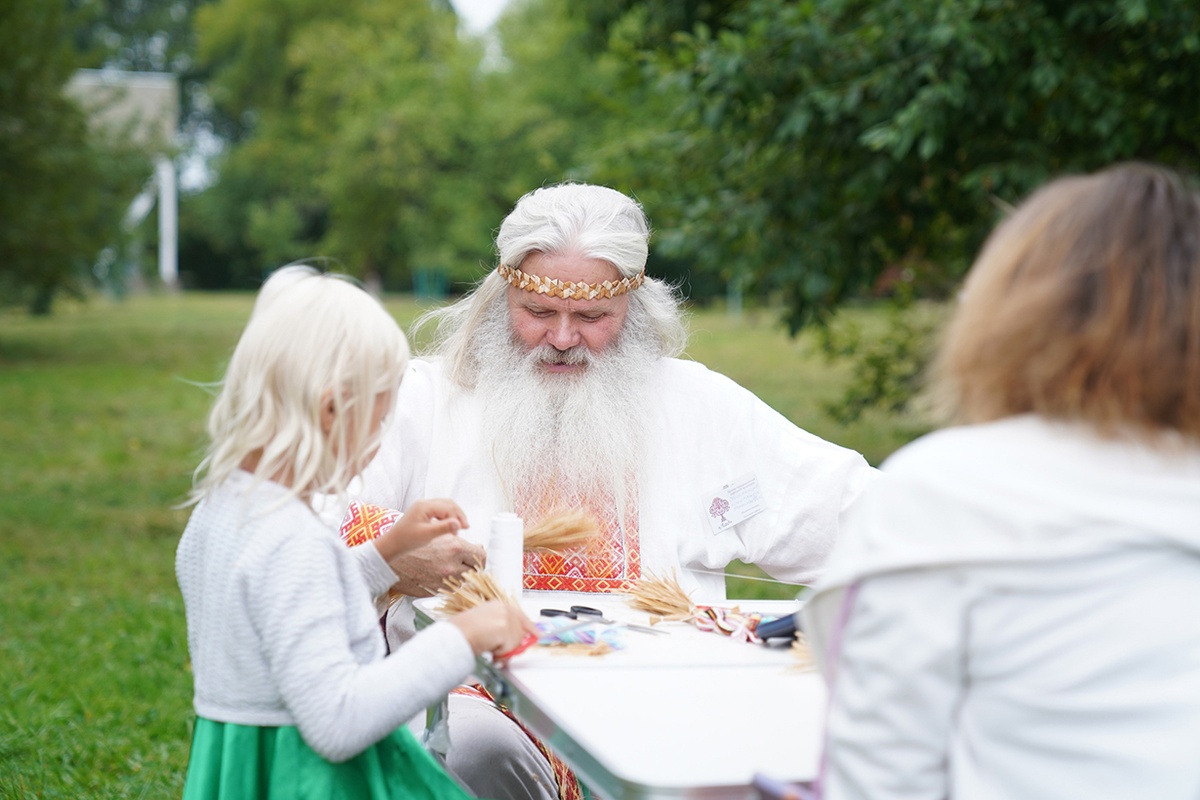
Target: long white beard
[{"x": 572, "y": 434}]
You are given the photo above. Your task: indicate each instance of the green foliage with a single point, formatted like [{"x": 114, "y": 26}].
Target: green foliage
[
  {"x": 374, "y": 133},
  {"x": 62, "y": 189},
  {"x": 559, "y": 114},
  {"x": 360, "y": 138},
  {"x": 135, "y": 35},
  {"x": 819, "y": 143},
  {"x": 887, "y": 364}
]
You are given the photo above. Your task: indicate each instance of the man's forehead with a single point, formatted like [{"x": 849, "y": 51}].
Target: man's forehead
[{"x": 569, "y": 265}]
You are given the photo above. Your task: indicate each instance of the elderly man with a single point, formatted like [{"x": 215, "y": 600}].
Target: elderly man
[{"x": 555, "y": 384}]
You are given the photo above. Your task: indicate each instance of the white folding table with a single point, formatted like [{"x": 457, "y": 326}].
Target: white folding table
[{"x": 689, "y": 714}]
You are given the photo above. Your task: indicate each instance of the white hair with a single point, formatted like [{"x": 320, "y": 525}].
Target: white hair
[
  {"x": 576, "y": 218},
  {"x": 566, "y": 219},
  {"x": 310, "y": 336}
]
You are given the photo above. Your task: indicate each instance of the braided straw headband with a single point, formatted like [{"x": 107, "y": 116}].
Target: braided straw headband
[{"x": 569, "y": 290}]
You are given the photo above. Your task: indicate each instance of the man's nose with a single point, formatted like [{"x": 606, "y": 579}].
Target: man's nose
[{"x": 563, "y": 333}]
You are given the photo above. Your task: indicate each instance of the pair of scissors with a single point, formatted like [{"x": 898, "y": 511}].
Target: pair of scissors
[{"x": 576, "y": 612}]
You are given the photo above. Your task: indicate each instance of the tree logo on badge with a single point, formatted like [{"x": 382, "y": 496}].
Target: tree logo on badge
[{"x": 718, "y": 508}]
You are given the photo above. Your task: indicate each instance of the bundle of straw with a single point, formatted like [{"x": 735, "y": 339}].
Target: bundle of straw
[
  {"x": 562, "y": 530},
  {"x": 473, "y": 588},
  {"x": 663, "y": 598},
  {"x": 805, "y": 661}
]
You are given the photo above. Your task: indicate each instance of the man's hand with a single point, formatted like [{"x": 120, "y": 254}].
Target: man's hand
[
  {"x": 421, "y": 572},
  {"x": 424, "y": 521}
]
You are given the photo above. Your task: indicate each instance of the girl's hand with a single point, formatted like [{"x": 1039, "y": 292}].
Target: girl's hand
[
  {"x": 424, "y": 521},
  {"x": 493, "y": 627}
]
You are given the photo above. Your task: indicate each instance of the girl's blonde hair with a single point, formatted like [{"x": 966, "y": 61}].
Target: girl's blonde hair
[
  {"x": 1084, "y": 305},
  {"x": 311, "y": 337}
]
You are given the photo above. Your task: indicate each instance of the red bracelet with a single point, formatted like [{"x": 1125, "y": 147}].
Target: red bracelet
[{"x": 528, "y": 641}]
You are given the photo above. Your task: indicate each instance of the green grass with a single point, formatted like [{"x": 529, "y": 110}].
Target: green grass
[
  {"x": 795, "y": 378},
  {"x": 97, "y": 435},
  {"x": 101, "y": 424}
]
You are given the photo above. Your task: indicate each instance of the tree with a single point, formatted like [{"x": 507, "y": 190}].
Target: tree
[
  {"x": 357, "y": 135},
  {"x": 135, "y": 35},
  {"x": 819, "y": 144},
  {"x": 63, "y": 189}
]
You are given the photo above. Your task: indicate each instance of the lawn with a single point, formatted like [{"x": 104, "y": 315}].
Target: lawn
[{"x": 102, "y": 422}]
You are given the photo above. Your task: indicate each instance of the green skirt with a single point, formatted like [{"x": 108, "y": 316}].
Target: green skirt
[{"x": 244, "y": 762}]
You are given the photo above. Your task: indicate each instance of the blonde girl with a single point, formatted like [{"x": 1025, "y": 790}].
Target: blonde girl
[{"x": 294, "y": 694}]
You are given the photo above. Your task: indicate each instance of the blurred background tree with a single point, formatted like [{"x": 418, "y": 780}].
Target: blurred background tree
[
  {"x": 374, "y": 133},
  {"x": 821, "y": 146},
  {"x": 63, "y": 188},
  {"x": 817, "y": 152}
]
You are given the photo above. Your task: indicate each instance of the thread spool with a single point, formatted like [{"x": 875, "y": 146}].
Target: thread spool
[{"x": 506, "y": 552}]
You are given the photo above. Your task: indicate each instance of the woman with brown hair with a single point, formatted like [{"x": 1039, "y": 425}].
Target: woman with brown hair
[{"x": 1012, "y": 611}]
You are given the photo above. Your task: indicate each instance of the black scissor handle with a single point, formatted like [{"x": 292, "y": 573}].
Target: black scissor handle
[{"x": 558, "y": 612}]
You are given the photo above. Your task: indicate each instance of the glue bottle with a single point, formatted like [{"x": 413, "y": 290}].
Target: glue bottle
[{"x": 506, "y": 552}]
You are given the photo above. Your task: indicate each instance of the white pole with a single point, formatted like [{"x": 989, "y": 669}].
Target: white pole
[{"x": 168, "y": 222}]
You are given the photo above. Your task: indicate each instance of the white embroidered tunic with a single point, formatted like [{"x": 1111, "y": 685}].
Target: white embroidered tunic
[{"x": 707, "y": 435}]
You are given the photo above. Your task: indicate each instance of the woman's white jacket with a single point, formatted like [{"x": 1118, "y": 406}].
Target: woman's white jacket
[{"x": 1014, "y": 612}]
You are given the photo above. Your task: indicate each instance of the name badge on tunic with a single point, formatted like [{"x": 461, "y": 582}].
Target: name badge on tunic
[{"x": 733, "y": 502}]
